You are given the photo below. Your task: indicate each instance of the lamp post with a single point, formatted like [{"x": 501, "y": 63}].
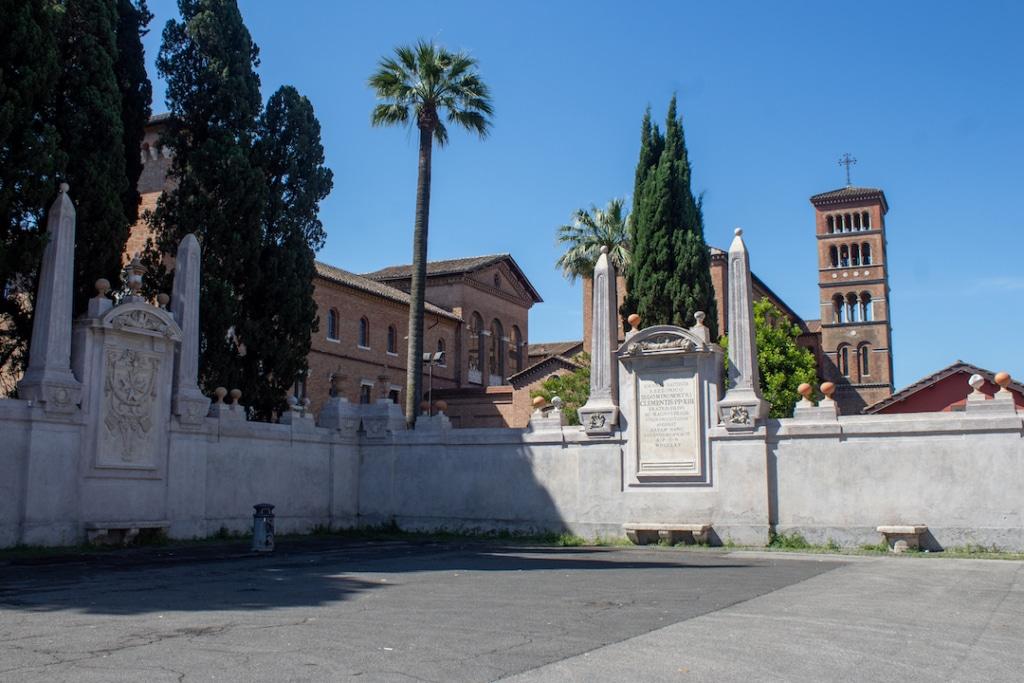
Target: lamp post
[{"x": 431, "y": 359}]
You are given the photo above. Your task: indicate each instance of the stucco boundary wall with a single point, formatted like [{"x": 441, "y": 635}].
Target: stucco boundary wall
[
  {"x": 959, "y": 473},
  {"x": 215, "y": 473}
]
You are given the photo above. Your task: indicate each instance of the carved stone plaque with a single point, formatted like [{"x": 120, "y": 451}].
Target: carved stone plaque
[
  {"x": 127, "y": 430},
  {"x": 668, "y": 425}
]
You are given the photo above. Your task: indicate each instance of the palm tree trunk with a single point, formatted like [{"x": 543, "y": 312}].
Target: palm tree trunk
[{"x": 417, "y": 288}]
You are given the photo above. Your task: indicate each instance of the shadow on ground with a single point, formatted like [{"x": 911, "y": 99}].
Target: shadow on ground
[{"x": 304, "y": 577}]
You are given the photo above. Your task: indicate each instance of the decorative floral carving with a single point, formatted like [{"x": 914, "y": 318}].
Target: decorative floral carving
[
  {"x": 738, "y": 415},
  {"x": 596, "y": 421},
  {"x": 661, "y": 343},
  {"x": 130, "y": 390},
  {"x": 141, "y": 319}
]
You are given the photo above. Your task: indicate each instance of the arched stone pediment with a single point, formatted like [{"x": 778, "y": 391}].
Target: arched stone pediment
[
  {"x": 662, "y": 339},
  {"x": 142, "y": 318}
]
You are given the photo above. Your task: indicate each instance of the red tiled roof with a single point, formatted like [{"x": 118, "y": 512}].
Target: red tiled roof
[
  {"x": 380, "y": 289},
  {"x": 925, "y": 382}
]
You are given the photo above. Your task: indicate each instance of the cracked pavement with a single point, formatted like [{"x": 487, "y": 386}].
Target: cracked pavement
[{"x": 398, "y": 611}]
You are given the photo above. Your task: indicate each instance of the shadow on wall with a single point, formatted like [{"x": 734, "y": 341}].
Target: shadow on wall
[
  {"x": 305, "y": 579},
  {"x": 480, "y": 485}
]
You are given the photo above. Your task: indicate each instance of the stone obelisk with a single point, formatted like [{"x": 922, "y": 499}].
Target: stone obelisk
[
  {"x": 48, "y": 379},
  {"x": 600, "y": 415},
  {"x": 188, "y": 403},
  {"x": 743, "y": 404}
]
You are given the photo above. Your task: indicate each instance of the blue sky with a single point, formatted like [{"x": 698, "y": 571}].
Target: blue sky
[{"x": 929, "y": 97}]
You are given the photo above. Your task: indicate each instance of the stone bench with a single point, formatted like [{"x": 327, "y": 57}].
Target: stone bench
[
  {"x": 119, "y": 533},
  {"x": 644, "y": 533},
  {"x": 900, "y": 538}
]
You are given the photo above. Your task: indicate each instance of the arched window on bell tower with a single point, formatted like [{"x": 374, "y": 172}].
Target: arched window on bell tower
[
  {"x": 843, "y": 360},
  {"x": 833, "y": 255}
]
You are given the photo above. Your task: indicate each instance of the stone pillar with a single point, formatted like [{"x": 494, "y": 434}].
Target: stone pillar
[
  {"x": 600, "y": 415},
  {"x": 189, "y": 404},
  {"x": 743, "y": 404},
  {"x": 49, "y": 380}
]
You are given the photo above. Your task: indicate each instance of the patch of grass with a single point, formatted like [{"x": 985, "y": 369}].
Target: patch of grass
[
  {"x": 611, "y": 541},
  {"x": 793, "y": 541}
]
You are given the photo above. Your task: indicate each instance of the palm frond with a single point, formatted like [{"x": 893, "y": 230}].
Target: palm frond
[
  {"x": 389, "y": 115},
  {"x": 425, "y": 76},
  {"x": 589, "y": 231}
]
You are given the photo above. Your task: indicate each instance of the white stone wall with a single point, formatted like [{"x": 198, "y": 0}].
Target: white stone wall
[{"x": 961, "y": 474}]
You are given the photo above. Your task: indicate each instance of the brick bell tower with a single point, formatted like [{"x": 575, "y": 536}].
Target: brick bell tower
[{"x": 853, "y": 283}]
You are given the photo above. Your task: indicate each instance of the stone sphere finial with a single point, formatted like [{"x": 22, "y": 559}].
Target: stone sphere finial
[
  {"x": 219, "y": 394},
  {"x": 604, "y": 248},
  {"x": 441, "y": 406},
  {"x": 1003, "y": 380},
  {"x": 738, "y": 231},
  {"x": 828, "y": 388},
  {"x": 102, "y": 287},
  {"x": 699, "y": 317},
  {"x": 976, "y": 382},
  {"x": 162, "y": 300},
  {"x": 64, "y": 188},
  {"x": 556, "y": 401},
  {"x": 634, "y": 321},
  {"x": 236, "y": 396},
  {"x": 538, "y": 402},
  {"x": 805, "y": 391},
  {"x": 293, "y": 400}
]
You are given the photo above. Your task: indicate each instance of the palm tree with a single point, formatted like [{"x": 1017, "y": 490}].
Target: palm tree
[
  {"x": 588, "y": 232},
  {"x": 415, "y": 87}
]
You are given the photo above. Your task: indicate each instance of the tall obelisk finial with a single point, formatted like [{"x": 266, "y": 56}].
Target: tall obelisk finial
[
  {"x": 742, "y": 405},
  {"x": 48, "y": 379},
  {"x": 601, "y": 413}
]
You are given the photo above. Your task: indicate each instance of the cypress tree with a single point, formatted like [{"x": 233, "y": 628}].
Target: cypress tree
[
  {"x": 136, "y": 94},
  {"x": 280, "y": 313},
  {"x": 669, "y": 278},
  {"x": 29, "y": 163},
  {"x": 213, "y": 93},
  {"x": 88, "y": 119}
]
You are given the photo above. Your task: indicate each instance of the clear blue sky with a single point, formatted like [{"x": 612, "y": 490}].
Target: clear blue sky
[{"x": 929, "y": 97}]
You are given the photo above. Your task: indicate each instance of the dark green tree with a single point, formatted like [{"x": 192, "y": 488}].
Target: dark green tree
[
  {"x": 782, "y": 363},
  {"x": 420, "y": 85},
  {"x": 136, "y": 94},
  {"x": 88, "y": 119},
  {"x": 669, "y": 278},
  {"x": 213, "y": 94},
  {"x": 279, "y": 314},
  {"x": 29, "y": 164}
]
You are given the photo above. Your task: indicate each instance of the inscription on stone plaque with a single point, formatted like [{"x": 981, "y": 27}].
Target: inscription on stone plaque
[{"x": 668, "y": 425}]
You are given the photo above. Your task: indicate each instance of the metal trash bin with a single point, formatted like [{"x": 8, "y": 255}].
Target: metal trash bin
[{"x": 263, "y": 528}]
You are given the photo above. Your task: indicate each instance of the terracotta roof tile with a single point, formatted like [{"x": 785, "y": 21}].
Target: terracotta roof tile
[
  {"x": 380, "y": 289},
  {"x": 455, "y": 267},
  {"x": 925, "y": 382},
  {"x": 557, "y": 348},
  {"x": 849, "y": 194}
]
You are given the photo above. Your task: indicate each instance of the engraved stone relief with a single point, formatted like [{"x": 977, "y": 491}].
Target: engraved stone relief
[
  {"x": 141, "y": 320},
  {"x": 129, "y": 393}
]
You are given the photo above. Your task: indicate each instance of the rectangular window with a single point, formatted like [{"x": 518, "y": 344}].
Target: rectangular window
[{"x": 365, "y": 390}]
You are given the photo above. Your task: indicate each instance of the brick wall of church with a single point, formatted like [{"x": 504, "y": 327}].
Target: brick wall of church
[{"x": 360, "y": 365}]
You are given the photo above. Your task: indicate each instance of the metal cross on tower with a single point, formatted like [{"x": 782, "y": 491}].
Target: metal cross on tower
[{"x": 847, "y": 161}]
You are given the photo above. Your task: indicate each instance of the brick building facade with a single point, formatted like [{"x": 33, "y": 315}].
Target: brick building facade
[{"x": 477, "y": 315}]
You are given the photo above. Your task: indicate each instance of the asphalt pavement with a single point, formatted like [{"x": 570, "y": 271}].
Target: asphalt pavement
[{"x": 473, "y": 611}]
